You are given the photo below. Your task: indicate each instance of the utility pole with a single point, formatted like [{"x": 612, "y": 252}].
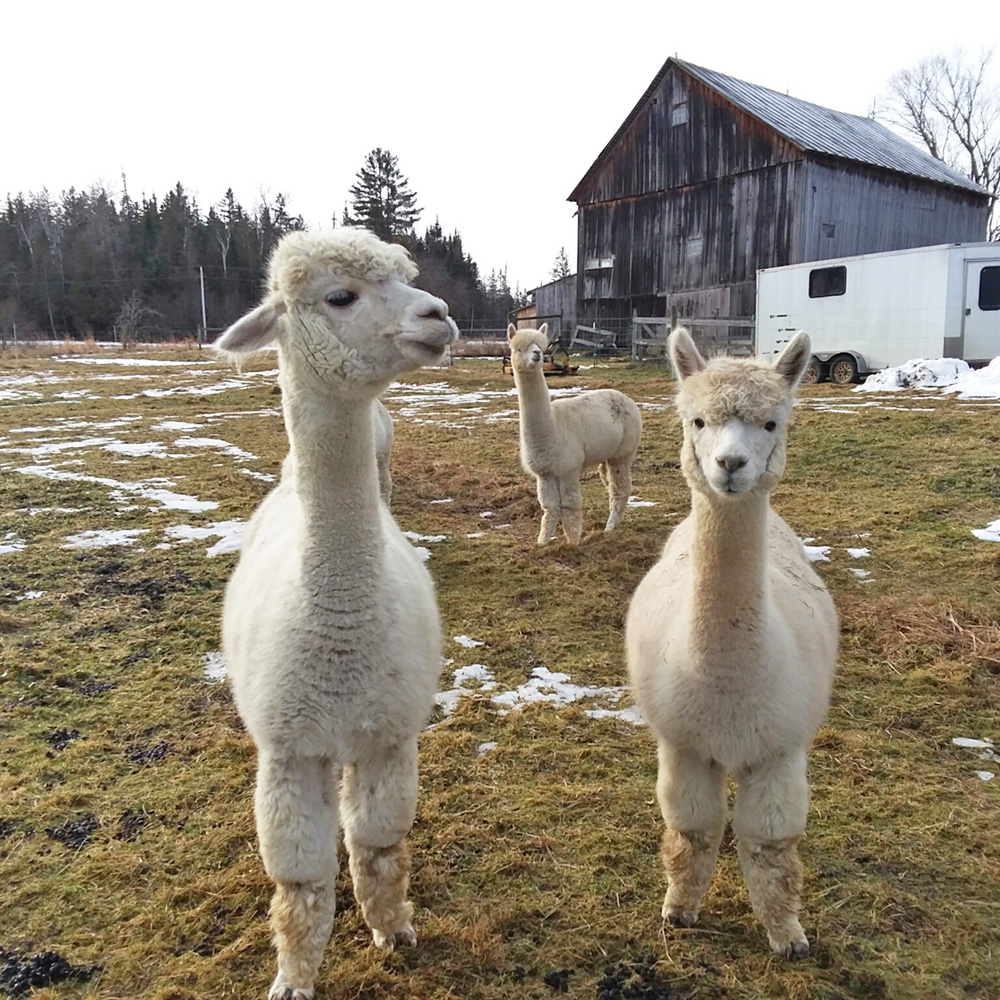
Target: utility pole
[{"x": 204, "y": 322}]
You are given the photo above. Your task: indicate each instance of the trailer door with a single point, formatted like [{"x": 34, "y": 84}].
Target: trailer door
[{"x": 981, "y": 322}]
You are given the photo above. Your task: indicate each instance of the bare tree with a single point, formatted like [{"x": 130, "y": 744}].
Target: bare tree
[
  {"x": 131, "y": 317},
  {"x": 951, "y": 105}
]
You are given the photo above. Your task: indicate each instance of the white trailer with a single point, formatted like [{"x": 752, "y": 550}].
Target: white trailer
[{"x": 877, "y": 310}]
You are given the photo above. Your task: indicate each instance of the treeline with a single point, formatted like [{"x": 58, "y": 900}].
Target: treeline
[{"x": 90, "y": 264}]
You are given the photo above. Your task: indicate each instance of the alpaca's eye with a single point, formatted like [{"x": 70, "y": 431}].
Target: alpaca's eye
[
  {"x": 770, "y": 425},
  {"x": 340, "y": 298},
  {"x": 699, "y": 423}
]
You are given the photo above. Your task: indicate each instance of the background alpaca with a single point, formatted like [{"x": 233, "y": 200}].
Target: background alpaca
[
  {"x": 732, "y": 645},
  {"x": 330, "y": 625},
  {"x": 383, "y": 434},
  {"x": 560, "y": 438}
]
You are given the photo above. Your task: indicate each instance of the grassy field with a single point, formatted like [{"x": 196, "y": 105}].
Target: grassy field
[{"x": 126, "y": 828}]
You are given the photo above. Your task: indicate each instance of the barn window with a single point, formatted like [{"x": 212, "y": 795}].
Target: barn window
[
  {"x": 679, "y": 113},
  {"x": 989, "y": 288},
  {"x": 828, "y": 229},
  {"x": 825, "y": 281}
]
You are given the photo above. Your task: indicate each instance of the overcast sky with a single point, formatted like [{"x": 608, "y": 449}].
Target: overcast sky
[{"x": 495, "y": 110}]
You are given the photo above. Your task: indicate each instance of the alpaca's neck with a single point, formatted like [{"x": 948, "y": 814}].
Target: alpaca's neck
[
  {"x": 730, "y": 586},
  {"x": 336, "y": 479},
  {"x": 538, "y": 425}
]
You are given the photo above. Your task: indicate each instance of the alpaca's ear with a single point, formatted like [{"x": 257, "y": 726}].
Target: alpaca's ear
[
  {"x": 511, "y": 330},
  {"x": 683, "y": 353},
  {"x": 793, "y": 359},
  {"x": 544, "y": 329},
  {"x": 255, "y": 330}
]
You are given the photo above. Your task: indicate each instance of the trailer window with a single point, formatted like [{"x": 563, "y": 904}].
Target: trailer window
[
  {"x": 824, "y": 281},
  {"x": 989, "y": 288}
]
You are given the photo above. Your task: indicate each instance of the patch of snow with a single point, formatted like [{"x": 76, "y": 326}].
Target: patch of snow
[
  {"x": 148, "y": 490},
  {"x": 213, "y": 667},
  {"x": 859, "y": 553},
  {"x": 555, "y": 688},
  {"x": 464, "y": 640},
  {"x": 985, "y": 775},
  {"x": 476, "y": 534},
  {"x": 415, "y": 536},
  {"x": 128, "y": 362},
  {"x": 486, "y": 513},
  {"x": 486, "y": 747},
  {"x": 991, "y": 533},
  {"x": 630, "y": 714},
  {"x": 497, "y": 527},
  {"x": 11, "y": 543},
  {"x": 30, "y": 595},
  {"x": 636, "y": 502},
  {"x": 951, "y": 375},
  {"x": 217, "y": 443},
  {"x": 474, "y": 672},
  {"x": 445, "y": 500},
  {"x": 264, "y": 477},
  {"x": 816, "y": 553},
  {"x": 136, "y": 448},
  {"x": 229, "y": 533},
  {"x": 966, "y": 741},
  {"x": 424, "y": 553},
  {"x": 100, "y": 538},
  {"x": 176, "y": 425},
  {"x": 861, "y": 574}
]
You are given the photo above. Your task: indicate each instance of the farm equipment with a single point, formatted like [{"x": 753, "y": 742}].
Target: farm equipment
[{"x": 555, "y": 361}]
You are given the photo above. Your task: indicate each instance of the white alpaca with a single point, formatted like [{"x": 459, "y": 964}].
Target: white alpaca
[
  {"x": 330, "y": 625},
  {"x": 560, "y": 438},
  {"x": 732, "y": 645},
  {"x": 383, "y": 434}
]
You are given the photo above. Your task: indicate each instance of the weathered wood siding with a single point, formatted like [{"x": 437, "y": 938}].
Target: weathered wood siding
[
  {"x": 852, "y": 209},
  {"x": 696, "y": 195}
]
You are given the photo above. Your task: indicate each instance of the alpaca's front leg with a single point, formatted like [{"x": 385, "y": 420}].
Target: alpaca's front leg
[
  {"x": 691, "y": 792},
  {"x": 571, "y": 508},
  {"x": 619, "y": 484},
  {"x": 379, "y": 803},
  {"x": 296, "y": 809},
  {"x": 548, "y": 497},
  {"x": 769, "y": 816}
]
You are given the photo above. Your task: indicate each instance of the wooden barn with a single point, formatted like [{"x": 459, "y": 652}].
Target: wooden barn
[{"x": 710, "y": 178}]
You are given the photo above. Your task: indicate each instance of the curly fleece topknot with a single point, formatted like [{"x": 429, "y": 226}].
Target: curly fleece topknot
[
  {"x": 746, "y": 389},
  {"x": 304, "y": 261}
]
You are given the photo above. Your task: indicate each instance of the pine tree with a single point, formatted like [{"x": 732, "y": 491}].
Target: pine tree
[
  {"x": 560, "y": 267},
  {"x": 381, "y": 199}
]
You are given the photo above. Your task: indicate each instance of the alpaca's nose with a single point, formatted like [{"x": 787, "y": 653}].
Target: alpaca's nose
[
  {"x": 731, "y": 462},
  {"x": 433, "y": 308}
]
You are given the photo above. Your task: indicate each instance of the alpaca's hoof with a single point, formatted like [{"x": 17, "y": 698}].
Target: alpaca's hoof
[
  {"x": 793, "y": 951},
  {"x": 280, "y": 990},
  {"x": 677, "y": 917},
  {"x": 389, "y": 941}
]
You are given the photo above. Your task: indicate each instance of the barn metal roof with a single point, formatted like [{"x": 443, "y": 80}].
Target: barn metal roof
[{"x": 813, "y": 129}]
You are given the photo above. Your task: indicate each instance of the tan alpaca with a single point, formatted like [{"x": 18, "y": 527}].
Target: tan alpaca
[
  {"x": 560, "y": 438},
  {"x": 732, "y": 645}
]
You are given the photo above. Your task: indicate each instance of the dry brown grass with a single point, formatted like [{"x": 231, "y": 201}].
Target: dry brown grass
[{"x": 539, "y": 856}]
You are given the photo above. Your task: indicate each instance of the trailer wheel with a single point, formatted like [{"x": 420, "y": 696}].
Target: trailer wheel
[
  {"x": 843, "y": 370},
  {"x": 815, "y": 372}
]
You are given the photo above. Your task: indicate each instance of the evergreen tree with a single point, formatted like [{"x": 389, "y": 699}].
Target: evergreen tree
[
  {"x": 560, "y": 267},
  {"x": 381, "y": 199}
]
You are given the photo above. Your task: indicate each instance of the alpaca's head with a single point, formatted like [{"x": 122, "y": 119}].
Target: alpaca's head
[
  {"x": 527, "y": 347},
  {"x": 735, "y": 415},
  {"x": 341, "y": 310}
]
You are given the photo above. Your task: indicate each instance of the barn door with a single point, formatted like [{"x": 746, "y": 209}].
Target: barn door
[{"x": 981, "y": 326}]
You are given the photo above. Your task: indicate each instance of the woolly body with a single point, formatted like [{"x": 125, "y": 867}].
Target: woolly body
[
  {"x": 731, "y": 643},
  {"x": 330, "y": 624},
  {"x": 561, "y": 438}
]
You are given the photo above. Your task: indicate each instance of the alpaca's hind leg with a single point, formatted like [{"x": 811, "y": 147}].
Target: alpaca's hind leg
[
  {"x": 769, "y": 816},
  {"x": 692, "y": 799},
  {"x": 571, "y": 508},
  {"x": 379, "y": 802},
  {"x": 548, "y": 497},
  {"x": 619, "y": 483},
  {"x": 296, "y": 808}
]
